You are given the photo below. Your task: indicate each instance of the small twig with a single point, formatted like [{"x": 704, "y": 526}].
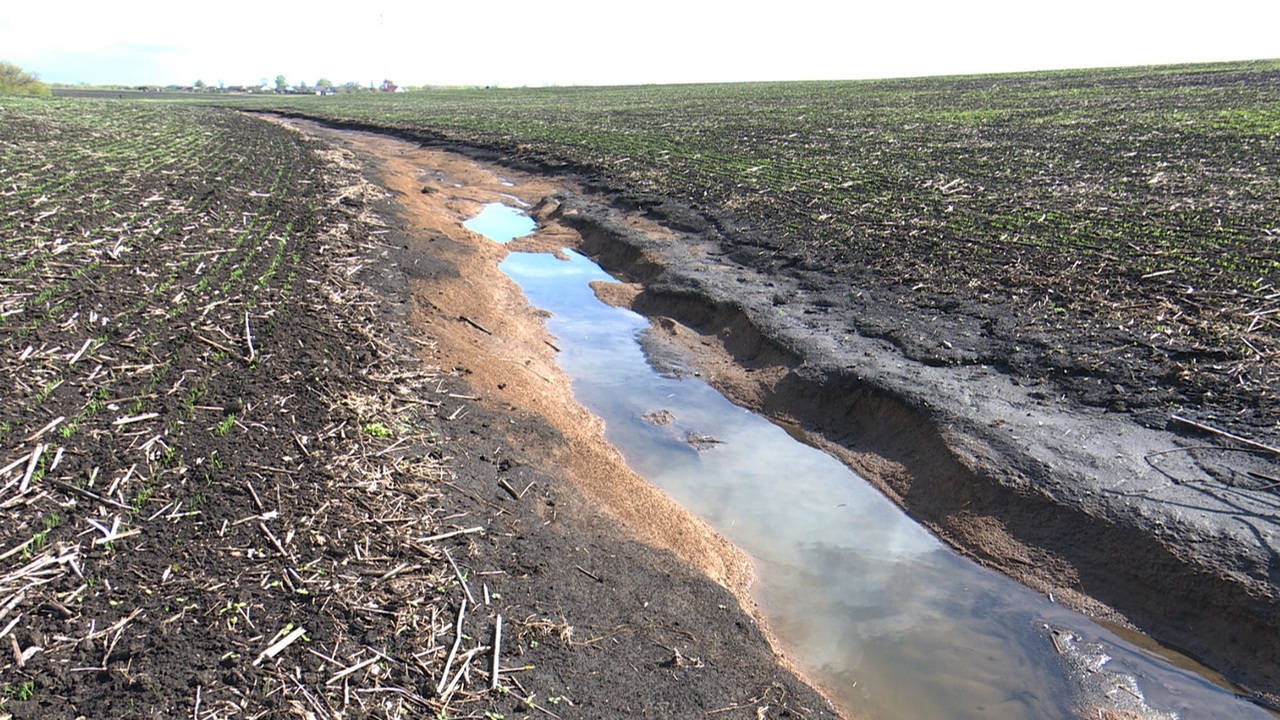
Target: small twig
[
  {"x": 1274, "y": 481},
  {"x": 31, "y": 468},
  {"x": 136, "y": 418},
  {"x": 47, "y": 428},
  {"x": 15, "y": 463},
  {"x": 216, "y": 345},
  {"x": 391, "y": 447},
  {"x": 453, "y": 651},
  {"x": 16, "y": 549},
  {"x": 354, "y": 668},
  {"x": 322, "y": 711},
  {"x": 463, "y": 670},
  {"x": 279, "y": 647},
  {"x": 401, "y": 568},
  {"x": 475, "y": 324},
  {"x": 17, "y": 652},
  {"x": 1225, "y": 434},
  {"x": 510, "y": 490},
  {"x": 83, "y": 348},
  {"x": 248, "y": 338},
  {"x": 1130, "y": 691},
  {"x": 1252, "y": 347},
  {"x": 256, "y": 500},
  {"x": 1191, "y": 448},
  {"x": 497, "y": 652},
  {"x": 1057, "y": 644},
  {"x": 117, "y": 627},
  {"x": 588, "y": 573},
  {"x": 529, "y": 701},
  {"x": 271, "y": 469},
  {"x": 10, "y": 604},
  {"x": 455, "y": 533},
  {"x": 274, "y": 541},
  {"x": 92, "y": 496},
  {"x": 113, "y": 533},
  {"x": 123, "y": 479},
  {"x": 461, "y": 580}
]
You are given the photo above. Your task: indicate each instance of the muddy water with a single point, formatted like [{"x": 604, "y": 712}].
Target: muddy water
[{"x": 870, "y": 606}]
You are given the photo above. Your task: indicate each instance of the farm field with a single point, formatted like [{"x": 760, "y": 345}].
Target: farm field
[
  {"x": 1108, "y": 235},
  {"x": 1074, "y": 274},
  {"x": 232, "y": 489},
  {"x": 228, "y": 486},
  {"x": 177, "y": 478}
]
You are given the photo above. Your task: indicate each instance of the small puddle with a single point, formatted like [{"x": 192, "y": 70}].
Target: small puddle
[
  {"x": 871, "y": 606},
  {"x": 501, "y": 223}
]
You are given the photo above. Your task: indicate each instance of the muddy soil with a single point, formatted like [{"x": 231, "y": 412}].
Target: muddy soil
[
  {"x": 591, "y": 552},
  {"x": 1166, "y": 530}
]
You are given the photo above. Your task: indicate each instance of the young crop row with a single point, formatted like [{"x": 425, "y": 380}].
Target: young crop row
[
  {"x": 1136, "y": 200},
  {"x": 129, "y": 265},
  {"x": 145, "y": 248},
  {"x": 216, "y": 473}
]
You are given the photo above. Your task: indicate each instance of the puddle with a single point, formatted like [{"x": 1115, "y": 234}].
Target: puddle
[
  {"x": 872, "y": 607},
  {"x": 501, "y": 223}
]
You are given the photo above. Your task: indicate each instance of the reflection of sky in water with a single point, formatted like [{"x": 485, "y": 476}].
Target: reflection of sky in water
[
  {"x": 878, "y": 610},
  {"x": 501, "y": 223}
]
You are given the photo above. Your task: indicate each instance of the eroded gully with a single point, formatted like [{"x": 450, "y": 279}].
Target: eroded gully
[{"x": 872, "y": 608}]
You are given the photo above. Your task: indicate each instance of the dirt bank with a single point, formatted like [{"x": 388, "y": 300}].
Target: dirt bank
[{"x": 591, "y": 551}]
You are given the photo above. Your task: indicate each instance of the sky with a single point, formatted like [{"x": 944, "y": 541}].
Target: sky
[{"x": 592, "y": 42}]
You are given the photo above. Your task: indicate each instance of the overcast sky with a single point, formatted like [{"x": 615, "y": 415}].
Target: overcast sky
[{"x": 581, "y": 42}]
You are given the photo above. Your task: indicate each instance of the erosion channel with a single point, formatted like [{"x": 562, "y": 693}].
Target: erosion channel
[{"x": 887, "y": 620}]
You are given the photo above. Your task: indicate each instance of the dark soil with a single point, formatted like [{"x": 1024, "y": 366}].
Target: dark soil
[{"x": 288, "y": 467}]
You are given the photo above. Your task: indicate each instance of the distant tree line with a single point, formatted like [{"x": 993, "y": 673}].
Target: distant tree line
[
  {"x": 324, "y": 86},
  {"x": 16, "y": 81},
  {"x": 281, "y": 85}
]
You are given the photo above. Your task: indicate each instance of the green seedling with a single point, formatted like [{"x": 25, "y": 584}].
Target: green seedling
[
  {"x": 224, "y": 427},
  {"x": 22, "y": 692},
  {"x": 377, "y": 429}
]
